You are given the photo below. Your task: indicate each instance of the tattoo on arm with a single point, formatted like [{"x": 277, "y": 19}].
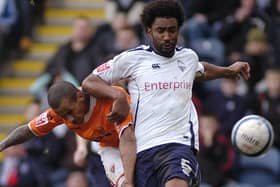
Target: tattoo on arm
[{"x": 17, "y": 136}]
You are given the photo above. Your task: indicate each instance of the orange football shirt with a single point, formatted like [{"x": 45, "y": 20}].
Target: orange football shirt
[{"x": 97, "y": 128}]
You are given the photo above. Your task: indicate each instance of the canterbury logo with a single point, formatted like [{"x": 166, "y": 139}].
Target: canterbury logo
[{"x": 155, "y": 66}]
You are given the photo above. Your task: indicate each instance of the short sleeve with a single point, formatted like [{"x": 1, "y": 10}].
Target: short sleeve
[
  {"x": 44, "y": 123},
  {"x": 200, "y": 69},
  {"x": 128, "y": 121},
  {"x": 120, "y": 67},
  {"x": 199, "y": 66}
]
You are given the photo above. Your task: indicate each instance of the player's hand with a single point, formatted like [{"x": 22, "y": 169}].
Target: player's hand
[
  {"x": 119, "y": 110},
  {"x": 80, "y": 156},
  {"x": 240, "y": 69}
]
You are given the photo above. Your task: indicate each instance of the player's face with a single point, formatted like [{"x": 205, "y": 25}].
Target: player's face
[
  {"x": 164, "y": 35},
  {"x": 73, "y": 111},
  {"x": 81, "y": 30}
]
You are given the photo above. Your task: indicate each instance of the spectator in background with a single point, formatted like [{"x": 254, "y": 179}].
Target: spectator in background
[
  {"x": 256, "y": 52},
  {"x": 74, "y": 60},
  {"x": 20, "y": 16},
  {"x": 42, "y": 162},
  {"x": 123, "y": 38},
  {"x": 77, "y": 56},
  {"x": 29, "y": 16},
  {"x": 106, "y": 34},
  {"x": 110, "y": 37},
  {"x": 273, "y": 11},
  {"x": 206, "y": 15},
  {"x": 186, "y": 4},
  {"x": 270, "y": 101},
  {"x": 263, "y": 4},
  {"x": 8, "y": 17},
  {"x": 216, "y": 155},
  {"x": 234, "y": 28},
  {"x": 39, "y": 8},
  {"x": 129, "y": 8},
  {"x": 23, "y": 32},
  {"x": 201, "y": 30},
  {"x": 198, "y": 104},
  {"x": 126, "y": 38},
  {"x": 226, "y": 104},
  {"x": 9, "y": 167},
  {"x": 262, "y": 171}
]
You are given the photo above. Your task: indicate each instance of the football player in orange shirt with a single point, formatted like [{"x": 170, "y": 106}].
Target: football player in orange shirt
[{"x": 91, "y": 119}]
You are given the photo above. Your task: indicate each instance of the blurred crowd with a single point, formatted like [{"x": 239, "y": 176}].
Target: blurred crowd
[
  {"x": 220, "y": 31},
  {"x": 17, "y": 20}
]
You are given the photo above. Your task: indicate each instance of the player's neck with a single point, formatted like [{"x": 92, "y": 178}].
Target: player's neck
[{"x": 170, "y": 55}]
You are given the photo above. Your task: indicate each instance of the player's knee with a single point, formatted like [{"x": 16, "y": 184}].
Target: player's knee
[{"x": 176, "y": 182}]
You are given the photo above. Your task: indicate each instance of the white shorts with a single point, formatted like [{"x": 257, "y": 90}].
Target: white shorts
[{"x": 111, "y": 159}]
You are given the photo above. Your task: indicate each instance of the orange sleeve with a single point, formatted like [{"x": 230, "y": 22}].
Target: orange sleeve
[
  {"x": 126, "y": 123},
  {"x": 45, "y": 122}
]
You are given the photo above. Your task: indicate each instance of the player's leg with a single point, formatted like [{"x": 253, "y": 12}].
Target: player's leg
[
  {"x": 176, "y": 182},
  {"x": 112, "y": 162},
  {"x": 168, "y": 165},
  {"x": 145, "y": 174},
  {"x": 177, "y": 166}
]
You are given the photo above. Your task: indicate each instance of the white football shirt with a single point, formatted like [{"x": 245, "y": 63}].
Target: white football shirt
[{"x": 161, "y": 92}]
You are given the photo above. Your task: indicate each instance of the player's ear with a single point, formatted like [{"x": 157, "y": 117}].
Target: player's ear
[
  {"x": 148, "y": 30},
  {"x": 80, "y": 94}
]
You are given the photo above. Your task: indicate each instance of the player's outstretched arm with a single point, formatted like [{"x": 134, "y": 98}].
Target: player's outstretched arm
[
  {"x": 235, "y": 71},
  {"x": 128, "y": 153},
  {"x": 19, "y": 135},
  {"x": 96, "y": 87},
  {"x": 81, "y": 151}
]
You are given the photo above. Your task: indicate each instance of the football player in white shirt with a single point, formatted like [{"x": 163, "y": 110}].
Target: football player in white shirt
[{"x": 160, "y": 80}]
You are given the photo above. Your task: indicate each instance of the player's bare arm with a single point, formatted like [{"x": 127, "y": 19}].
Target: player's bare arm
[
  {"x": 81, "y": 151},
  {"x": 19, "y": 135},
  {"x": 235, "y": 71},
  {"x": 100, "y": 89},
  {"x": 128, "y": 153}
]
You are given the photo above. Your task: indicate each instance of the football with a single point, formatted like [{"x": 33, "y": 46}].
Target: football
[{"x": 252, "y": 135}]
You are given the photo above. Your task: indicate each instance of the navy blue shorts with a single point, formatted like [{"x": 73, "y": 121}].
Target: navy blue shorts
[{"x": 157, "y": 165}]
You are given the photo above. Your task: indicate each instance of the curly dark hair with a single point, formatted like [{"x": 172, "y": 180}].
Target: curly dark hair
[{"x": 162, "y": 8}]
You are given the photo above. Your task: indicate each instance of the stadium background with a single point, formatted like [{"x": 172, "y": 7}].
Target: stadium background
[{"x": 36, "y": 35}]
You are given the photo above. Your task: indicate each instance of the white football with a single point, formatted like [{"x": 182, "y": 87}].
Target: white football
[{"x": 252, "y": 135}]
